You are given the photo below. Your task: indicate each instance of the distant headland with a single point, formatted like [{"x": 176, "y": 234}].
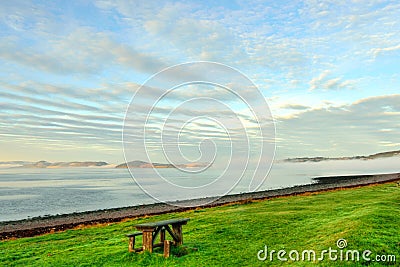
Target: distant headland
[
  {"x": 370, "y": 157},
  {"x": 78, "y": 164},
  {"x": 143, "y": 164}
]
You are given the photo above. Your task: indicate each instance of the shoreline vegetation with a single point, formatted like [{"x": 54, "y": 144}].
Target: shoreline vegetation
[{"x": 49, "y": 224}]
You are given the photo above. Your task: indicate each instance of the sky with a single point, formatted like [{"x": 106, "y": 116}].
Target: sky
[{"x": 328, "y": 71}]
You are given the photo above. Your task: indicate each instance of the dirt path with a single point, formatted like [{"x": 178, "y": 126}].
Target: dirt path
[{"x": 41, "y": 225}]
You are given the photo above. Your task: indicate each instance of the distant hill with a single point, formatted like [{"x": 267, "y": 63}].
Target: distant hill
[
  {"x": 373, "y": 156},
  {"x": 73, "y": 164},
  {"x": 134, "y": 164},
  {"x": 143, "y": 164}
]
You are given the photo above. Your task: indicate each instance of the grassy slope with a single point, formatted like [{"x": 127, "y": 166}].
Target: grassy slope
[{"x": 368, "y": 218}]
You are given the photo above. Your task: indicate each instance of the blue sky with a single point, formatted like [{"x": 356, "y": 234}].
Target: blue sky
[{"x": 327, "y": 69}]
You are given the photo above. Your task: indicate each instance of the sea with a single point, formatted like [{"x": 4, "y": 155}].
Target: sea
[{"x": 28, "y": 192}]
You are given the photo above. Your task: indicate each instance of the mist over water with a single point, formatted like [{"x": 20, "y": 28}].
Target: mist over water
[{"x": 38, "y": 192}]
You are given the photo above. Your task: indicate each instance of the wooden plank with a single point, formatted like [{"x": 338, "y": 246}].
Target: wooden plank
[
  {"x": 158, "y": 245},
  {"x": 134, "y": 234},
  {"x": 153, "y": 225},
  {"x": 139, "y": 249}
]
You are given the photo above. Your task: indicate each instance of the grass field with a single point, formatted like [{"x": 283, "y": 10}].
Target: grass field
[{"x": 367, "y": 218}]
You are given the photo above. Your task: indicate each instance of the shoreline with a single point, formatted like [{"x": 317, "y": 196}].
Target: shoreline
[{"x": 49, "y": 224}]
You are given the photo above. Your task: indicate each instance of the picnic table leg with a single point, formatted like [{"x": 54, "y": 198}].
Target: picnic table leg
[
  {"x": 148, "y": 240},
  {"x": 167, "y": 248},
  {"x": 177, "y": 229},
  {"x": 131, "y": 247}
]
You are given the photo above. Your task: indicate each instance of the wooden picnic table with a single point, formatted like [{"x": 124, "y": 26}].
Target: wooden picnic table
[{"x": 151, "y": 230}]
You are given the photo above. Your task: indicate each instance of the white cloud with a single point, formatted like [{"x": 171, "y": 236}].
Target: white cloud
[
  {"x": 325, "y": 82},
  {"x": 294, "y": 106},
  {"x": 379, "y": 51}
]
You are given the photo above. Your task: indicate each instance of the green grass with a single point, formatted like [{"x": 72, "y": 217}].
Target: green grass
[{"x": 368, "y": 218}]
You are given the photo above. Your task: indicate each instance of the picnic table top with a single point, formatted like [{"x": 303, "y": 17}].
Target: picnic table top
[{"x": 162, "y": 223}]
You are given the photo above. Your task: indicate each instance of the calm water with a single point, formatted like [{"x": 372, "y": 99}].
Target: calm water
[{"x": 37, "y": 192}]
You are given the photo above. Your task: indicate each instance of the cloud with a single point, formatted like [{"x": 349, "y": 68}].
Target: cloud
[
  {"x": 23, "y": 16},
  {"x": 350, "y": 129},
  {"x": 217, "y": 33},
  {"x": 82, "y": 51},
  {"x": 199, "y": 39},
  {"x": 294, "y": 107},
  {"x": 325, "y": 82},
  {"x": 379, "y": 51}
]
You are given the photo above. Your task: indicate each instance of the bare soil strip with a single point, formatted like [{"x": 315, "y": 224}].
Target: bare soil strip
[{"x": 41, "y": 225}]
